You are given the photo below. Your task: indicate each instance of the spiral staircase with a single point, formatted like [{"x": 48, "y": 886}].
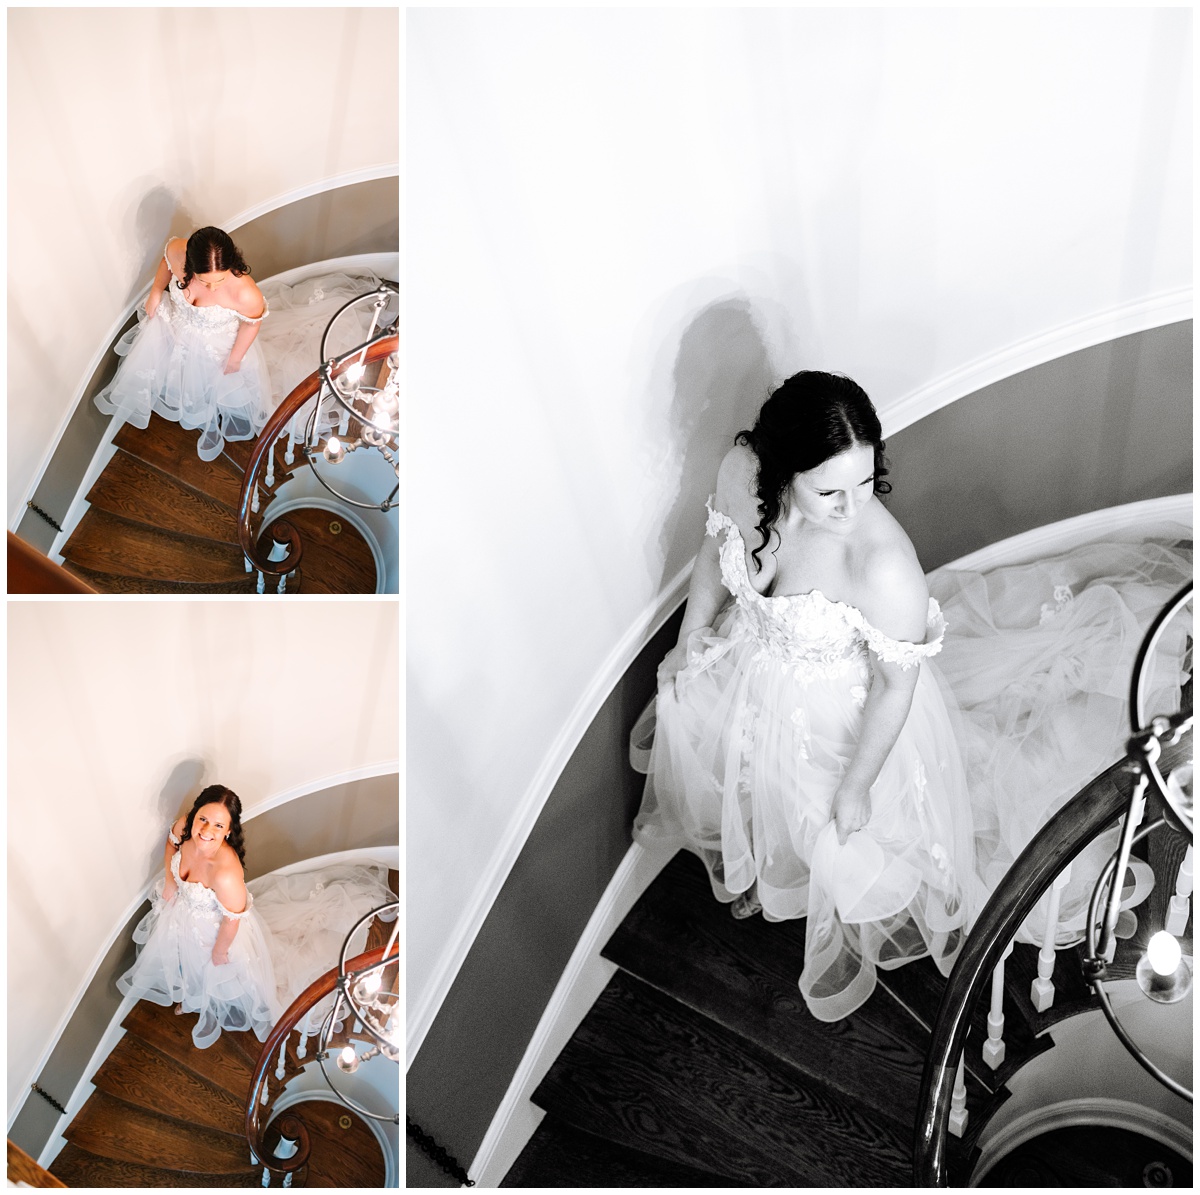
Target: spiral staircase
[
  {"x": 164, "y": 1114},
  {"x": 700, "y": 1066},
  {"x": 161, "y": 520}
]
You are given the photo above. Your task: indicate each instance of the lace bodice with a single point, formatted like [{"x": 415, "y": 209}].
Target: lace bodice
[
  {"x": 217, "y": 325},
  {"x": 202, "y": 902},
  {"x": 808, "y": 631}
]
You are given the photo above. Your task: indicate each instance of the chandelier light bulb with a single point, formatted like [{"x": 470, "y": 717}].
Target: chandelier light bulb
[
  {"x": 348, "y": 1060},
  {"x": 354, "y": 374},
  {"x": 334, "y": 450},
  {"x": 1164, "y": 953}
]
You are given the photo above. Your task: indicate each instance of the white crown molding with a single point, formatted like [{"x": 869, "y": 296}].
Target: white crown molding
[
  {"x": 1154, "y": 312},
  {"x": 461, "y": 938}
]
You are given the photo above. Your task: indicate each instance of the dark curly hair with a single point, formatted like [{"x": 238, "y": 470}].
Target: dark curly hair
[
  {"x": 208, "y": 250},
  {"x": 218, "y": 794},
  {"x": 810, "y": 418}
]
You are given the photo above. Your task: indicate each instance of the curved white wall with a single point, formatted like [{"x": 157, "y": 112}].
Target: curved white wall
[
  {"x": 623, "y": 226},
  {"x": 125, "y": 125},
  {"x": 119, "y": 712}
]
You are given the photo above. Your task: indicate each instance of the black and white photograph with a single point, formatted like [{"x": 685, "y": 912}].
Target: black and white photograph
[{"x": 798, "y": 596}]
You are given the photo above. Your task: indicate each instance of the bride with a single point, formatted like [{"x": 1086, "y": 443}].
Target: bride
[
  {"x": 193, "y": 358},
  {"x": 236, "y": 954}
]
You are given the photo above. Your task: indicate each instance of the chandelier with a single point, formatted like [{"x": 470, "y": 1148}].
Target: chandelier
[
  {"x": 1164, "y": 974},
  {"x": 366, "y": 1003},
  {"x": 358, "y": 407}
]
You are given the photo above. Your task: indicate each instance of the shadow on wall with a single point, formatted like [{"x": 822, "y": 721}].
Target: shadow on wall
[
  {"x": 155, "y": 216},
  {"x": 179, "y": 789},
  {"x": 721, "y": 376}
]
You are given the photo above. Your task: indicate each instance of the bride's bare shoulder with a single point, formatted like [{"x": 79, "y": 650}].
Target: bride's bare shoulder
[{"x": 736, "y": 491}]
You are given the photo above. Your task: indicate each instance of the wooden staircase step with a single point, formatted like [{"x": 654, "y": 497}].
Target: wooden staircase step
[
  {"x": 143, "y": 494},
  {"x": 79, "y": 1168},
  {"x": 649, "y": 1073},
  {"x": 345, "y": 1153},
  {"x": 139, "y": 1074},
  {"x": 114, "y": 1129},
  {"x": 222, "y": 1064},
  {"x": 558, "y": 1155},
  {"x": 336, "y": 557},
  {"x": 168, "y": 447},
  {"x": 743, "y": 974},
  {"x": 109, "y": 544},
  {"x": 114, "y": 583}
]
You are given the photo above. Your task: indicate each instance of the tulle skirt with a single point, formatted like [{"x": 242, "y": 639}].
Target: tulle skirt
[
  {"x": 291, "y": 936},
  {"x": 1027, "y": 702},
  {"x": 176, "y": 367}
]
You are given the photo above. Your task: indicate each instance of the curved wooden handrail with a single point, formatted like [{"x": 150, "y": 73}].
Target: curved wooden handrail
[
  {"x": 31, "y": 572},
  {"x": 283, "y": 531},
  {"x": 1058, "y": 842},
  {"x": 313, "y": 994}
]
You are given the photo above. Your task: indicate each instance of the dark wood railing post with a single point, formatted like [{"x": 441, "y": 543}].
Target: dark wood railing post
[{"x": 283, "y": 532}]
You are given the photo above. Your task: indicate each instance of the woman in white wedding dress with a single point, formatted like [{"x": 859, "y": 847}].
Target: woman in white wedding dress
[
  {"x": 804, "y": 745},
  {"x": 193, "y": 358},
  {"x": 238, "y": 954},
  {"x": 803, "y": 748}
]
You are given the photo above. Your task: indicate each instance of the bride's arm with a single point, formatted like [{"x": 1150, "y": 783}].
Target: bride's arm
[
  {"x": 897, "y": 604},
  {"x": 168, "y": 854},
  {"x": 250, "y": 303},
  {"x": 231, "y": 892}
]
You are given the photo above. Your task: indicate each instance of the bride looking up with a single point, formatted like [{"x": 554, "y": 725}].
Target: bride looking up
[{"x": 803, "y": 748}]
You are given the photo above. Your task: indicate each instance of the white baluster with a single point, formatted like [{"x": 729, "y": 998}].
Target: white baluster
[
  {"x": 266, "y": 1182},
  {"x": 290, "y": 454},
  {"x": 344, "y": 425},
  {"x": 271, "y": 466},
  {"x": 357, "y": 1025},
  {"x": 993, "y": 1048},
  {"x": 249, "y": 565},
  {"x": 282, "y": 586},
  {"x": 1042, "y": 990},
  {"x": 254, "y": 499},
  {"x": 279, "y": 1070},
  {"x": 302, "y": 1029},
  {"x": 262, "y": 582},
  {"x": 287, "y": 1179},
  {"x": 958, "y": 1101},
  {"x": 1179, "y": 907},
  {"x": 263, "y": 1098}
]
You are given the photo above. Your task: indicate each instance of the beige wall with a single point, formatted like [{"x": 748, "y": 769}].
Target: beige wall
[
  {"x": 200, "y": 116},
  {"x": 119, "y": 712}
]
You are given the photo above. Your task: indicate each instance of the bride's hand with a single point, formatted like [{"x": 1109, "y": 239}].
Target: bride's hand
[
  {"x": 152, "y": 301},
  {"x": 232, "y": 366},
  {"x": 850, "y": 811},
  {"x": 220, "y": 955},
  {"x": 169, "y": 890},
  {"x": 674, "y": 660}
]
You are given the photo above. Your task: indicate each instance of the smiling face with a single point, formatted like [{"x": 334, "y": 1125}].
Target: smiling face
[
  {"x": 833, "y": 494},
  {"x": 209, "y": 826}
]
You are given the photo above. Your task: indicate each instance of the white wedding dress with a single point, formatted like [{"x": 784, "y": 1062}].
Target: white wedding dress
[
  {"x": 290, "y": 934},
  {"x": 174, "y": 362},
  {"x": 747, "y": 748}
]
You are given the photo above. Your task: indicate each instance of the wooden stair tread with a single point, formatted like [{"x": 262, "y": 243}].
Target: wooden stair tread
[
  {"x": 338, "y": 562},
  {"x": 107, "y": 543},
  {"x": 170, "y": 448},
  {"x": 222, "y": 1064},
  {"x": 651, "y": 1074},
  {"x": 139, "y": 1074},
  {"x": 143, "y": 494},
  {"x": 559, "y": 1155},
  {"x": 744, "y": 975},
  {"x": 79, "y": 1168},
  {"x": 115, "y": 583},
  {"x": 114, "y": 1129}
]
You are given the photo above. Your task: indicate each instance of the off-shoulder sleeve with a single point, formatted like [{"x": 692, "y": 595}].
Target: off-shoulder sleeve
[
  {"x": 174, "y": 838},
  {"x": 717, "y": 522},
  {"x": 246, "y": 319},
  {"x": 235, "y": 916},
  {"x": 908, "y": 655}
]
